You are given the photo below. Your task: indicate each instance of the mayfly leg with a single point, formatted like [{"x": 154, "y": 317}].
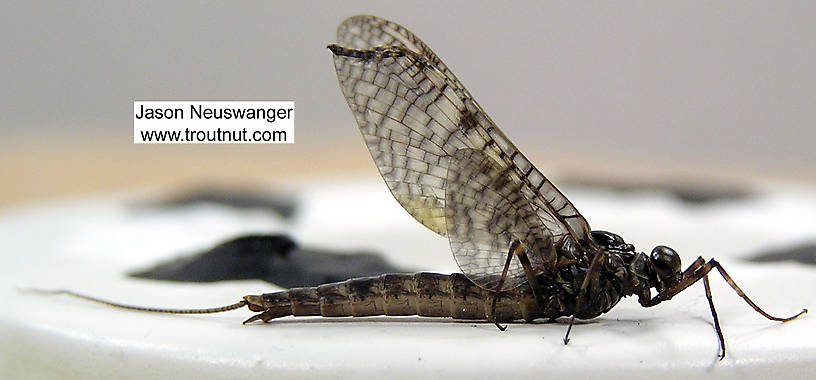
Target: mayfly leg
[
  {"x": 531, "y": 277},
  {"x": 590, "y": 279},
  {"x": 717, "y": 328},
  {"x": 696, "y": 272},
  {"x": 693, "y": 267},
  {"x": 517, "y": 250},
  {"x": 492, "y": 316}
]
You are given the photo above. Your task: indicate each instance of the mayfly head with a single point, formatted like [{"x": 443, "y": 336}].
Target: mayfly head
[{"x": 666, "y": 267}]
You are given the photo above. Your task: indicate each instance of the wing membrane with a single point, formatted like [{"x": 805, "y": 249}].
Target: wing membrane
[
  {"x": 414, "y": 115},
  {"x": 485, "y": 213}
]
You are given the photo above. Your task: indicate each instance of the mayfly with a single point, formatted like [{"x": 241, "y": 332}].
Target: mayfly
[{"x": 524, "y": 250}]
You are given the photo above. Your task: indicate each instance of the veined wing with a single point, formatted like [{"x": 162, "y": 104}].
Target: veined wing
[
  {"x": 415, "y": 115},
  {"x": 485, "y": 213}
]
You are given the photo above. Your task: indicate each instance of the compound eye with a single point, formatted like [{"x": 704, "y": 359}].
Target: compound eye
[
  {"x": 666, "y": 260},
  {"x": 607, "y": 239}
]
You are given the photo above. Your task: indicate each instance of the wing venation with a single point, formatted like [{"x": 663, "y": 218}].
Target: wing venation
[{"x": 415, "y": 115}]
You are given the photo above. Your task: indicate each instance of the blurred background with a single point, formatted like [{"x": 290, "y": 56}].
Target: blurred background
[{"x": 625, "y": 91}]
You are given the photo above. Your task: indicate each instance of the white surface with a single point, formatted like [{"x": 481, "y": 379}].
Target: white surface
[{"x": 87, "y": 246}]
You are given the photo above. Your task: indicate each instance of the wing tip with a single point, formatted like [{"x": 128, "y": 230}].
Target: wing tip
[
  {"x": 360, "y": 17},
  {"x": 335, "y": 49},
  {"x": 354, "y": 20}
]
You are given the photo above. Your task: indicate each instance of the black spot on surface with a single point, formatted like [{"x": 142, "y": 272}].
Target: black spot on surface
[
  {"x": 691, "y": 193},
  {"x": 803, "y": 253},
  {"x": 236, "y": 197},
  {"x": 272, "y": 258}
]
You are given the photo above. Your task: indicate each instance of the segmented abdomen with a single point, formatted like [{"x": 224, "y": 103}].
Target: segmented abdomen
[{"x": 424, "y": 294}]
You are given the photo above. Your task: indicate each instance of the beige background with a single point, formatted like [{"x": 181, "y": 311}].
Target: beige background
[{"x": 705, "y": 90}]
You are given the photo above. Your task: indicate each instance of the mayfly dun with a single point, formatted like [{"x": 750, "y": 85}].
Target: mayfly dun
[{"x": 524, "y": 250}]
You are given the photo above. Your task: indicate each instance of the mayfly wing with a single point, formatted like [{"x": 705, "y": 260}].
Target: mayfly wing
[
  {"x": 485, "y": 213},
  {"x": 408, "y": 120},
  {"x": 415, "y": 115},
  {"x": 364, "y": 32}
]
